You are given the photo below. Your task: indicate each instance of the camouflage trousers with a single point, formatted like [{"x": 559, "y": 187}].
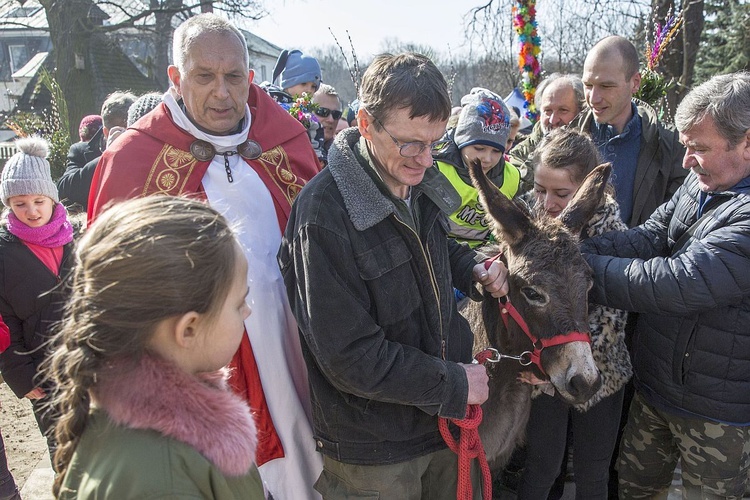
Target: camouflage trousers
[{"x": 715, "y": 457}]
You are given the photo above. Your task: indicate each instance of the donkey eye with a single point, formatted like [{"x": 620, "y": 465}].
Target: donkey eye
[{"x": 533, "y": 296}]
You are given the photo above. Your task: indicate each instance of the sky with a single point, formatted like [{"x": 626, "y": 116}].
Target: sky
[{"x": 303, "y": 24}]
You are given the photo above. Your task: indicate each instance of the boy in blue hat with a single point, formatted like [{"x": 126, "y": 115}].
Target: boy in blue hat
[{"x": 298, "y": 74}]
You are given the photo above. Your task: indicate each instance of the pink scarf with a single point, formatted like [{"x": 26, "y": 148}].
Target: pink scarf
[{"x": 56, "y": 233}]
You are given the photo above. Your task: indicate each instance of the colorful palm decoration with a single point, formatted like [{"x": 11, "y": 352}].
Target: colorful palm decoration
[
  {"x": 302, "y": 108},
  {"x": 524, "y": 22},
  {"x": 654, "y": 86}
]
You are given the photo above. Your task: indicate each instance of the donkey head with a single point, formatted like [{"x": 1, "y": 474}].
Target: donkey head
[{"x": 549, "y": 282}]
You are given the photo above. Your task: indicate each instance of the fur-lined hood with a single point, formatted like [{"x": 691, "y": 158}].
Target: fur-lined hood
[{"x": 199, "y": 411}]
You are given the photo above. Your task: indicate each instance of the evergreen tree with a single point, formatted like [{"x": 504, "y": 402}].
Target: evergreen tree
[{"x": 725, "y": 43}]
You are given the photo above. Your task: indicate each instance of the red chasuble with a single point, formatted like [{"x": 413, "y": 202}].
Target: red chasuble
[{"x": 153, "y": 157}]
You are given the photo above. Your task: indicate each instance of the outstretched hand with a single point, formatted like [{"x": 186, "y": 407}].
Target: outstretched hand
[{"x": 494, "y": 279}]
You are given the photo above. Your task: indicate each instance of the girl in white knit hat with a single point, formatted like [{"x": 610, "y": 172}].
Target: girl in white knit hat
[{"x": 36, "y": 244}]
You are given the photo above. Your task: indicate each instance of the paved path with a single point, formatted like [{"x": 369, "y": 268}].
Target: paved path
[{"x": 38, "y": 486}]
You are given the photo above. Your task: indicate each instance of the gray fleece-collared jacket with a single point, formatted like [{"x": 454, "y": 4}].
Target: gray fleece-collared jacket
[{"x": 370, "y": 282}]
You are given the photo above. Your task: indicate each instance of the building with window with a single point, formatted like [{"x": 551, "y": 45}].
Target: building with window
[{"x": 119, "y": 59}]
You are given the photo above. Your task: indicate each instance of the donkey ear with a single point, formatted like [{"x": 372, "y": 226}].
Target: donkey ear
[
  {"x": 587, "y": 199},
  {"x": 510, "y": 222}
]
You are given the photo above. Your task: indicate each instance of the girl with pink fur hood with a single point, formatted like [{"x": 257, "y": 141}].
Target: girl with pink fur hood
[{"x": 157, "y": 310}]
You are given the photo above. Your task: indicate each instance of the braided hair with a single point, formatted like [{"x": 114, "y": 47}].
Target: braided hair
[{"x": 141, "y": 262}]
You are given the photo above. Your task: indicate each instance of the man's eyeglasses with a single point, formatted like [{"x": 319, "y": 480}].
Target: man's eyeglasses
[
  {"x": 412, "y": 149},
  {"x": 324, "y": 112}
]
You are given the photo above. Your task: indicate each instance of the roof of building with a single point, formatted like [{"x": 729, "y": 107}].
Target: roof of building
[
  {"x": 258, "y": 45},
  {"x": 113, "y": 70},
  {"x": 30, "y": 15},
  {"x": 30, "y": 68}
]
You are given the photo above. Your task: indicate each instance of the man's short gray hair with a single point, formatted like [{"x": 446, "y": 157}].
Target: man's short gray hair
[
  {"x": 573, "y": 81},
  {"x": 194, "y": 27},
  {"x": 326, "y": 89},
  {"x": 115, "y": 109},
  {"x": 726, "y": 99}
]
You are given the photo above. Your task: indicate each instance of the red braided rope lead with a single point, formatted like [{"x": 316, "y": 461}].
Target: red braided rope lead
[{"x": 469, "y": 446}]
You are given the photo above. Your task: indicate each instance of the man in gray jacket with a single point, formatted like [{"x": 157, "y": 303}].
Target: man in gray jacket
[
  {"x": 370, "y": 272},
  {"x": 685, "y": 270}
]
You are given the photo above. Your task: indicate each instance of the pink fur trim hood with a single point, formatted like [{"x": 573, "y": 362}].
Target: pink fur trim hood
[{"x": 197, "y": 410}]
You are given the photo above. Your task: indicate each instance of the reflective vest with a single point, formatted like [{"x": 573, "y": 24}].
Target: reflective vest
[{"x": 468, "y": 224}]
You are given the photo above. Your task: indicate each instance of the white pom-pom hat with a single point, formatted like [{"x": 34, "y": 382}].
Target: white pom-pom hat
[{"x": 28, "y": 172}]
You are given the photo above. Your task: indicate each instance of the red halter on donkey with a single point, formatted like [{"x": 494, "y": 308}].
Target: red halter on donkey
[{"x": 549, "y": 282}]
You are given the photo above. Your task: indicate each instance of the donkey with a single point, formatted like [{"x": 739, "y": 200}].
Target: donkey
[{"x": 549, "y": 282}]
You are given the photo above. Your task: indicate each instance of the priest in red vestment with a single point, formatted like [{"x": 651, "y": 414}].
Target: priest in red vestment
[{"x": 220, "y": 137}]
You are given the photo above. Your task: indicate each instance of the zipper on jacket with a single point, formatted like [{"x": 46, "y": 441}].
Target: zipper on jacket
[
  {"x": 428, "y": 261},
  {"x": 443, "y": 341}
]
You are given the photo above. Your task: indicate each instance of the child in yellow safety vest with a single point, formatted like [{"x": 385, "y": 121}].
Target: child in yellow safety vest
[{"x": 481, "y": 134}]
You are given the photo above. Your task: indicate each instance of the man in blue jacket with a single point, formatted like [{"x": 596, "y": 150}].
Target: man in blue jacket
[{"x": 685, "y": 270}]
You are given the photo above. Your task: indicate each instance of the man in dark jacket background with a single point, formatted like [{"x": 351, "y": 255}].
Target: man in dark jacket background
[
  {"x": 91, "y": 144},
  {"x": 370, "y": 272},
  {"x": 685, "y": 271},
  {"x": 75, "y": 182},
  {"x": 645, "y": 154}
]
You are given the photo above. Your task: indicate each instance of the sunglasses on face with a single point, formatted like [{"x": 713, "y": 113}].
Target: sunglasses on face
[{"x": 324, "y": 112}]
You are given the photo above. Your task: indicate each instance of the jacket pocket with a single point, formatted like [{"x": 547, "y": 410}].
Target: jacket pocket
[
  {"x": 329, "y": 485},
  {"x": 382, "y": 258},
  {"x": 684, "y": 348},
  {"x": 388, "y": 273}
]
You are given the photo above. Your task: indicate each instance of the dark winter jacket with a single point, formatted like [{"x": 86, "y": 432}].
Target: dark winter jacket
[
  {"x": 658, "y": 172},
  {"x": 376, "y": 311},
  {"x": 82, "y": 152},
  {"x": 74, "y": 184},
  {"x": 31, "y": 300},
  {"x": 691, "y": 351}
]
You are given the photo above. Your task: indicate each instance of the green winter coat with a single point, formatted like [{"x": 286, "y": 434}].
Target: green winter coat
[
  {"x": 159, "y": 432},
  {"x": 119, "y": 463}
]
